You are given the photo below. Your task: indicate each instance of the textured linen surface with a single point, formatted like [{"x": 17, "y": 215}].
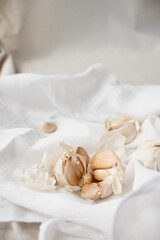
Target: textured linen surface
[{"x": 78, "y": 105}]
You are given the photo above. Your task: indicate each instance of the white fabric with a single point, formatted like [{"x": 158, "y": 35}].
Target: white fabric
[{"x": 78, "y": 105}]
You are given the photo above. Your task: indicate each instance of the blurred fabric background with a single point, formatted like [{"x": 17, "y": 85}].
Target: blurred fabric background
[{"x": 65, "y": 37}]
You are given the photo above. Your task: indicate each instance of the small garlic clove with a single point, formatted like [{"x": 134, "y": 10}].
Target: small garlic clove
[
  {"x": 85, "y": 158},
  {"x": 104, "y": 160},
  {"x": 90, "y": 191},
  {"x": 106, "y": 189},
  {"x": 115, "y": 124},
  {"x": 46, "y": 127},
  {"x": 100, "y": 174},
  {"x": 70, "y": 174},
  {"x": 129, "y": 131},
  {"x": 88, "y": 178}
]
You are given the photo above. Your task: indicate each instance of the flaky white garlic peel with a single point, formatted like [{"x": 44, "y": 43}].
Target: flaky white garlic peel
[
  {"x": 149, "y": 153},
  {"x": 38, "y": 179}
]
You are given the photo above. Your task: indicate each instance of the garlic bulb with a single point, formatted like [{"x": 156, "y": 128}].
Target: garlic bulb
[
  {"x": 71, "y": 167},
  {"x": 46, "y": 127},
  {"x": 127, "y": 127},
  {"x": 149, "y": 153}
]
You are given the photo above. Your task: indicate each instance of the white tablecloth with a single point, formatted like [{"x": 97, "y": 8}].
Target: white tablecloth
[{"x": 78, "y": 105}]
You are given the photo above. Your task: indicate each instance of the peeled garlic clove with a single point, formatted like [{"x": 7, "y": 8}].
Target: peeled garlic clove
[
  {"x": 70, "y": 174},
  {"x": 90, "y": 191},
  {"x": 100, "y": 174},
  {"x": 46, "y": 127},
  {"x": 104, "y": 160},
  {"x": 87, "y": 178}
]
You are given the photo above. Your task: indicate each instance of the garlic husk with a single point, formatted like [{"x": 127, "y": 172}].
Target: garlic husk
[
  {"x": 46, "y": 127},
  {"x": 38, "y": 178},
  {"x": 49, "y": 160},
  {"x": 113, "y": 141},
  {"x": 127, "y": 127},
  {"x": 149, "y": 153},
  {"x": 71, "y": 167}
]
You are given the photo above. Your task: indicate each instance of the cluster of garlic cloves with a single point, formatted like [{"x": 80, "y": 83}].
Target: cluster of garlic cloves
[
  {"x": 126, "y": 126},
  {"x": 73, "y": 170},
  {"x": 107, "y": 174}
]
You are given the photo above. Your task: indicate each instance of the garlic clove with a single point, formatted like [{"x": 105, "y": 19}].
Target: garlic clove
[
  {"x": 115, "y": 124},
  {"x": 104, "y": 160},
  {"x": 129, "y": 131},
  {"x": 88, "y": 178},
  {"x": 46, "y": 127},
  {"x": 70, "y": 174},
  {"x": 100, "y": 174},
  {"x": 126, "y": 126},
  {"x": 84, "y": 159},
  {"x": 90, "y": 191},
  {"x": 106, "y": 189}
]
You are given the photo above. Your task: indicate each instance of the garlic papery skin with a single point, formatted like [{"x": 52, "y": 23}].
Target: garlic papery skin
[
  {"x": 127, "y": 127},
  {"x": 71, "y": 167},
  {"x": 46, "y": 127},
  {"x": 149, "y": 153},
  {"x": 38, "y": 179},
  {"x": 104, "y": 160}
]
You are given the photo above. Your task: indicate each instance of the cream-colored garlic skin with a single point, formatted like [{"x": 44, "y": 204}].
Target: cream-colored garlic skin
[
  {"x": 149, "y": 153},
  {"x": 127, "y": 127},
  {"x": 71, "y": 167},
  {"x": 46, "y": 127},
  {"x": 38, "y": 179}
]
